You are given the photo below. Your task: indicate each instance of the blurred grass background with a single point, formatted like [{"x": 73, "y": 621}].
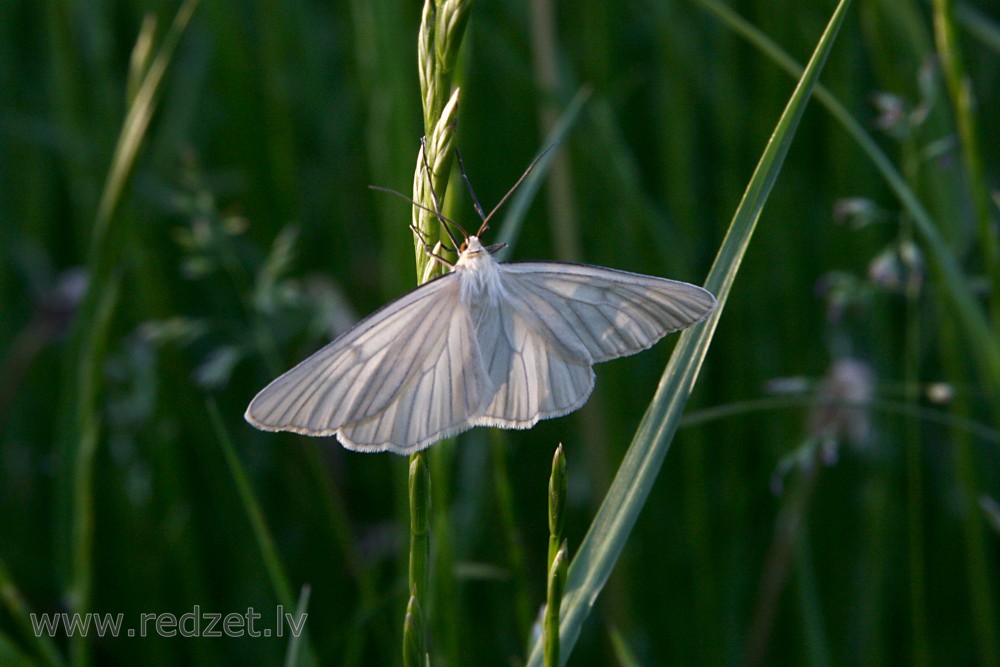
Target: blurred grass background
[{"x": 143, "y": 306}]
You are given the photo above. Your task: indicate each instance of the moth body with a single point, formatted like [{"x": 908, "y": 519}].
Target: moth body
[
  {"x": 488, "y": 344},
  {"x": 479, "y": 274}
]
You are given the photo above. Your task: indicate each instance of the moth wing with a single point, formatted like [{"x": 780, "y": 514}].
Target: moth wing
[
  {"x": 411, "y": 353},
  {"x": 596, "y": 314},
  {"x": 531, "y": 377},
  {"x": 441, "y": 400},
  {"x": 558, "y": 319}
]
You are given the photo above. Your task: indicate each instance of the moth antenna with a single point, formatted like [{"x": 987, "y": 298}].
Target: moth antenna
[
  {"x": 445, "y": 220},
  {"x": 434, "y": 199},
  {"x": 427, "y": 172},
  {"x": 527, "y": 171},
  {"x": 468, "y": 187},
  {"x": 427, "y": 245}
]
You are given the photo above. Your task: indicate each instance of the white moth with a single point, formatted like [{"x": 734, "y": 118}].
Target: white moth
[{"x": 488, "y": 344}]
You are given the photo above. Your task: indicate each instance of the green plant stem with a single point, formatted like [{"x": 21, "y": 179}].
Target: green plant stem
[
  {"x": 262, "y": 533},
  {"x": 816, "y": 641},
  {"x": 414, "y": 644},
  {"x": 414, "y": 629},
  {"x": 963, "y": 105},
  {"x": 88, "y": 428},
  {"x": 553, "y": 598},
  {"x": 557, "y": 558},
  {"x": 980, "y": 583},
  {"x": 265, "y": 540},
  {"x": 515, "y": 549},
  {"x": 442, "y": 26},
  {"x": 420, "y": 509},
  {"x": 557, "y": 503},
  {"x": 44, "y": 648},
  {"x": 914, "y": 485},
  {"x": 787, "y": 529}
]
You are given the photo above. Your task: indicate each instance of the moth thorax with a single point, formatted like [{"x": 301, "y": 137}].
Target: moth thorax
[{"x": 480, "y": 277}]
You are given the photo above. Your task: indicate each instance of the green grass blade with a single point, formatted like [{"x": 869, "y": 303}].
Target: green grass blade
[
  {"x": 510, "y": 229},
  {"x": 262, "y": 533},
  {"x": 93, "y": 350},
  {"x": 963, "y": 103},
  {"x": 93, "y": 325},
  {"x": 12, "y": 655},
  {"x": 980, "y": 26},
  {"x": 137, "y": 119},
  {"x": 618, "y": 513},
  {"x": 295, "y": 656},
  {"x": 19, "y": 612}
]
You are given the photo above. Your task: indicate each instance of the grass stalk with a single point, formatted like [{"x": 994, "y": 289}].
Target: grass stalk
[
  {"x": 963, "y": 105},
  {"x": 564, "y": 220},
  {"x": 557, "y": 558},
  {"x": 914, "y": 486},
  {"x": 88, "y": 428},
  {"x": 45, "y": 651},
  {"x": 557, "y": 503},
  {"x": 440, "y": 36},
  {"x": 524, "y": 615},
  {"x": 553, "y": 599},
  {"x": 609, "y": 531},
  {"x": 817, "y": 643},
  {"x": 777, "y": 564},
  {"x": 420, "y": 509},
  {"x": 980, "y": 583},
  {"x": 414, "y": 642},
  {"x": 280, "y": 582}
]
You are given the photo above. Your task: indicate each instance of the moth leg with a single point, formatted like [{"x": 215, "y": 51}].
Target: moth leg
[{"x": 434, "y": 252}]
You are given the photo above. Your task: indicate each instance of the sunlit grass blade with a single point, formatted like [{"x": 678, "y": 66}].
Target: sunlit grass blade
[
  {"x": 18, "y": 611},
  {"x": 137, "y": 119},
  {"x": 295, "y": 656},
  {"x": 623, "y": 652},
  {"x": 617, "y": 515}
]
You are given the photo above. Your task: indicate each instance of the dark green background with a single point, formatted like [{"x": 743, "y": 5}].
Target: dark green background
[{"x": 276, "y": 115}]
